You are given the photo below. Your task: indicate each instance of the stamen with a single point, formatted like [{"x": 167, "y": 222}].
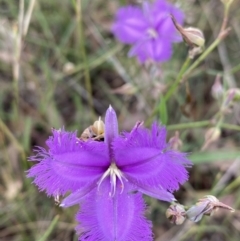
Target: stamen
[
  {"x": 57, "y": 199},
  {"x": 114, "y": 174},
  {"x": 152, "y": 33}
]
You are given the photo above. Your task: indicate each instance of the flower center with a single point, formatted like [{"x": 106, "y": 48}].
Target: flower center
[
  {"x": 152, "y": 33},
  {"x": 114, "y": 174}
]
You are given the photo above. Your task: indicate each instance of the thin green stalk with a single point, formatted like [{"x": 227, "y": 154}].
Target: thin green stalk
[
  {"x": 235, "y": 69},
  {"x": 232, "y": 185},
  {"x": 230, "y": 127},
  {"x": 189, "y": 125},
  {"x": 88, "y": 83},
  {"x": 12, "y": 138},
  {"x": 50, "y": 229},
  {"x": 204, "y": 123},
  {"x": 17, "y": 54},
  {"x": 174, "y": 86},
  {"x": 171, "y": 90},
  {"x": 97, "y": 61},
  {"x": 203, "y": 56},
  {"x": 28, "y": 16}
]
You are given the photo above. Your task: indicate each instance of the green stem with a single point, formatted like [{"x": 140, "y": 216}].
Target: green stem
[
  {"x": 17, "y": 54},
  {"x": 235, "y": 69},
  {"x": 96, "y": 62},
  {"x": 88, "y": 83},
  {"x": 50, "y": 229},
  {"x": 203, "y": 56},
  {"x": 12, "y": 138},
  {"x": 204, "y": 123},
  {"x": 189, "y": 125},
  {"x": 234, "y": 184},
  {"x": 171, "y": 90},
  {"x": 174, "y": 86},
  {"x": 230, "y": 127}
]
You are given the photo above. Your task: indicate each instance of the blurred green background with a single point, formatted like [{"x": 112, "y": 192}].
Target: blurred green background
[{"x": 61, "y": 66}]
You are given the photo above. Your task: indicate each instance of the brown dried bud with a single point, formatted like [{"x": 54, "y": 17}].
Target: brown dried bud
[
  {"x": 233, "y": 94},
  {"x": 217, "y": 88},
  {"x": 206, "y": 206},
  {"x": 95, "y": 131},
  {"x": 211, "y": 136},
  {"x": 126, "y": 89},
  {"x": 68, "y": 68},
  {"x": 176, "y": 213},
  {"x": 98, "y": 127},
  {"x": 193, "y": 37},
  {"x": 175, "y": 142}
]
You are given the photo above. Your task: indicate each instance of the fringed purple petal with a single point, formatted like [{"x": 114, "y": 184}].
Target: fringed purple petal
[
  {"x": 77, "y": 197},
  {"x": 166, "y": 170},
  {"x": 155, "y": 192},
  {"x": 154, "y": 139},
  {"x": 129, "y": 24},
  {"x": 106, "y": 218},
  {"x": 69, "y": 163},
  {"x": 142, "y": 156}
]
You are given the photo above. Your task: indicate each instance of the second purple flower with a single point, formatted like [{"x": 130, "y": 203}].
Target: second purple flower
[{"x": 149, "y": 29}]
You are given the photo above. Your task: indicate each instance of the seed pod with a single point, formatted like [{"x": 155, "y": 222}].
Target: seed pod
[
  {"x": 176, "y": 213},
  {"x": 217, "y": 88},
  {"x": 192, "y": 36},
  {"x": 206, "y": 206}
]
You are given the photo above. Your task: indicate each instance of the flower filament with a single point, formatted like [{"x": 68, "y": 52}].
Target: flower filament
[
  {"x": 114, "y": 174},
  {"x": 152, "y": 33}
]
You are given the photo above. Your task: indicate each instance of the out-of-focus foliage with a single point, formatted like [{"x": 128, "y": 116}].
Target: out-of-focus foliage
[{"x": 65, "y": 68}]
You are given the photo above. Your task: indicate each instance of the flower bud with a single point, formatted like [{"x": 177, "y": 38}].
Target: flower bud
[
  {"x": 211, "y": 136},
  {"x": 98, "y": 127},
  {"x": 217, "y": 88},
  {"x": 175, "y": 142},
  {"x": 206, "y": 206},
  {"x": 233, "y": 94},
  {"x": 193, "y": 37},
  {"x": 126, "y": 89},
  {"x": 94, "y": 132},
  {"x": 176, "y": 213},
  {"x": 68, "y": 68}
]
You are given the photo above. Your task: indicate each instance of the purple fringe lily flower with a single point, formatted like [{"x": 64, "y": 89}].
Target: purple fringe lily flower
[
  {"x": 107, "y": 178},
  {"x": 149, "y": 29}
]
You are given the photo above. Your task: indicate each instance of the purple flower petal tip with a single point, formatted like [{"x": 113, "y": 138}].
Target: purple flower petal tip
[{"x": 111, "y": 125}]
